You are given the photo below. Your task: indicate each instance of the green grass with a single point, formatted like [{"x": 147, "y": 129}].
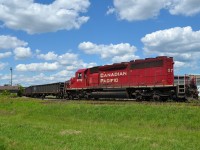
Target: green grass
[{"x": 73, "y": 125}]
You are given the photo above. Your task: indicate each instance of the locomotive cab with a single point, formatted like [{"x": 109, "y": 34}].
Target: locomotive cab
[{"x": 79, "y": 81}]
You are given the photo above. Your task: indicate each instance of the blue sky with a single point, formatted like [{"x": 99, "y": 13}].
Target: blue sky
[{"x": 47, "y": 41}]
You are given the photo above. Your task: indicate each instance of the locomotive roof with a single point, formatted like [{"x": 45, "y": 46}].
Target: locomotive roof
[
  {"x": 81, "y": 70},
  {"x": 121, "y": 65},
  {"x": 114, "y": 66}
]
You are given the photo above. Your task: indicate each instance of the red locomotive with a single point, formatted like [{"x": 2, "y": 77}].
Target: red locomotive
[{"x": 143, "y": 79}]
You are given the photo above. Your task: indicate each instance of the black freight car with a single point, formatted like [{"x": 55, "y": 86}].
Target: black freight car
[{"x": 54, "y": 89}]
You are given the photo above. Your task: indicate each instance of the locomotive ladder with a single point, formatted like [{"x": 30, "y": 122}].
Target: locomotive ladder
[{"x": 181, "y": 85}]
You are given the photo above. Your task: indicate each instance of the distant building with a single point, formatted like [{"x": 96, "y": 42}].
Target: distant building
[
  {"x": 197, "y": 81},
  {"x": 11, "y": 89}
]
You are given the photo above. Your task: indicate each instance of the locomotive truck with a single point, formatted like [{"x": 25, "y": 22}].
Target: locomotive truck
[{"x": 142, "y": 79}]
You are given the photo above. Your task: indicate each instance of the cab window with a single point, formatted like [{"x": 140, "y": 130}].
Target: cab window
[{"x": 79, "y": 75}]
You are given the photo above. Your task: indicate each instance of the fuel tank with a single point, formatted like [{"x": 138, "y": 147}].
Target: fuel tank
[{"x": 110, "y": 94}]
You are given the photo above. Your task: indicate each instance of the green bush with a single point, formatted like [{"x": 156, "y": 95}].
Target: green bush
[
  {"x": 21, "y": 91},
  {"x": 5, "y": 93}
]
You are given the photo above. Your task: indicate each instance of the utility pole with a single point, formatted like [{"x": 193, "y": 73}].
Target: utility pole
[{"x": 11, "y": 76}]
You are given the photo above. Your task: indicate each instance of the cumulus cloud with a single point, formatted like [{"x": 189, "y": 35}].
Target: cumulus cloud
[
  {"x": 181, "y": 43},
  {"x": 48, "y": 56},
  {"x": 5, "y": 55},
  {"x": 39, "y": 18},
  {"x": 185, "y": 7},
  {"x": 133, "y": 10},
  {"x": 9, "y": 42},
  {"x": 38, "y": 67},
  {"x": 124, "y": 58},
  {"x": 68, "y": 59},
  {"x": 179, "y": 64},
  {"x": 26, "y": 80},
  {"x": 79, "y": 65},
  {"x": 64, "y": 59},
  {"x": 124, "y": 51},
  {"x": 88, "y": 65},
  {"x": 40, "y": 78},
  {"x": 22, "y": 52},
  {"x": 111, "y": 10},
  {"x": 3, "y": 65},
  {"x": 62, "y": 74},
  {"x": 172, "y": 40}
]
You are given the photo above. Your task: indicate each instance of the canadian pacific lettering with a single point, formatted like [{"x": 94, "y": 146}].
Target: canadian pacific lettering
[
  {"x": 113, "y": 74},
  {"x": 111, "y": 77},
  {"x": 115, "y": 80}
]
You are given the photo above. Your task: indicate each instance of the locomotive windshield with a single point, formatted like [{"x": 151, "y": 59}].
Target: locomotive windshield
[{"x": 79, "y": 75}]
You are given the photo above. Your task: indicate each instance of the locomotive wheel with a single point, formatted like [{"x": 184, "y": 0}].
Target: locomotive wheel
[
  {"x": 87, "y": 96},
  {"x": 71, "y": 97},
  {"x": 138, "y": 98},
  {"x": 156, "y": 97},
  {"x": 164, "y": 99}
]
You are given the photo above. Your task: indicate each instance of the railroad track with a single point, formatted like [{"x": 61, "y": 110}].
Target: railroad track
[{"x": 117, "y": 102}]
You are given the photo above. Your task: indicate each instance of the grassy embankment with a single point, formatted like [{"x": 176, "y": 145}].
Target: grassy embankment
[{"x": 35, "y": 124}]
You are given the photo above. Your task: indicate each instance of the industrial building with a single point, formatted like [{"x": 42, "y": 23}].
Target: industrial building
[{"x": 11, "y": 89}]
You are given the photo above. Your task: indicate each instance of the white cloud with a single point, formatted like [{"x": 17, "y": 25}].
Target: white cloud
[
  {"x": 48, "y": 56},
  {"x": 72, "y": 62},
  {"x": 111, "y": 10},
  {"x": 9, "y": 42},
  {"x": 63, "y": 73},
  {"x": 64, "y": 59},
  {"x": 80, "y": 65},
  {"x": 3, "y": 65},
  {"x": 133, "y": 10},
  {"x": 65, "y": 65},
  {"x": 39, "y": 18},
  {"x": 24, "y": 80},
  {"x": 41, "y": 78},
  {"x": 68, "y": 59},
  {"x": 172, "y": 40},
  {"x": 5, "y": 55},
  {"x": 124, "y": 58},
  {"x": 181, "y": 43},
  {"x": 69, "y": 62},
  {"x": 185, "y": 7},
  {"x": 6, "y": 77},
  {"x": 179, "y": 64},
  {"x": 38, "y": 67},
  {"x": 88, "y": 65},
  {"x": 37, "y": 51},
  {"x": 72, "y": 67},
  {"x": 22, "y": 52},
  {"x": 38, "y": 79},
  {"x": 122, "y": 50}
]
